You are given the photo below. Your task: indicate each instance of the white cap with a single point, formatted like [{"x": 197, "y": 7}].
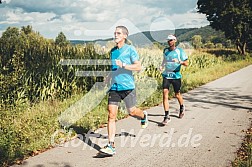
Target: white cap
[{"x": 171, "y": 37}]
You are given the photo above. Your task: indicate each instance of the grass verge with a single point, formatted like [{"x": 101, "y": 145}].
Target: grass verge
[{"x": 244, "y": 154}]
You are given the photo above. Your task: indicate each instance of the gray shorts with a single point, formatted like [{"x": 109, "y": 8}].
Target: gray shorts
[{"x": 128, "y": 96}]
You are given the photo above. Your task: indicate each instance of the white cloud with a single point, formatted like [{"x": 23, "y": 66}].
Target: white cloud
[
  {"x": 68, "y": 18},
  {"x": 192, "y": 20},
  {"x": 6, "y": 1},
  {"x": 77, "y": 16}
]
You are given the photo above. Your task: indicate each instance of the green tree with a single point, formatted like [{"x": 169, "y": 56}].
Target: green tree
[
  {"x": 218, "y": 45},
  {"x": 197, "y": 41},
  {"x": 27, "y": 29},
  {"x": 61, "y": 40},
  {"x": 11, "y": 66},
  {"x": 228, "y": 44},
  {"x": 216, "y": 39},
  {"x": 8, "y": 45},
  {"x": 209, "y": 45},
  {"x": 233, "y": 17}
]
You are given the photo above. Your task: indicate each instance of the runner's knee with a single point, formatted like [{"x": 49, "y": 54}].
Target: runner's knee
[
  {"x": 177, "y": 95},
  {"x": 132, "y": 111},
  {"x": 165, "y": 93},
  {"x": 111, "y": 117},
  {"x": 112, "y": 112}
]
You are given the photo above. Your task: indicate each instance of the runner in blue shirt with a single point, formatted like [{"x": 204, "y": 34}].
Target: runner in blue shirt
[
  {"x": 173, "y": 59},
  {"x": 124, "y": 59},
  {"x": 123, "y": 79}
]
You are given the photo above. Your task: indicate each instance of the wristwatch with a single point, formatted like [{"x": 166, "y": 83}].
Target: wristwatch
[{"x": 123, "y": 65}]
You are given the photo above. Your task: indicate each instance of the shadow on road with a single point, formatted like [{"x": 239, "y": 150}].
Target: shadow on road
[
  {"x": 91, "y": 134},
  {"x": 221, "y": 97}
]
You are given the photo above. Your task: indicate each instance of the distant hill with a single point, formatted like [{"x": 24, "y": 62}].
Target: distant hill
[
  {"x": 148, "y": 37},
  {"x": 207, "y": 33}
]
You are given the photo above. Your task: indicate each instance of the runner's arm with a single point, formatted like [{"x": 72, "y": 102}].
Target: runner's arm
[
  {"x": 184, "y": 63},
  {"x": 136, "y": 66},
  {"x": 162, "y": 65}
]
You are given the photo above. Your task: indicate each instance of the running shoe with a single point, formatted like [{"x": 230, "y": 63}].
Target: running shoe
[
  {"x": 144, "y": 122},
  {"x": 182, "y": 112},
  {"x": 108, "y": 149},
  {"x": 166, "y": 120}
]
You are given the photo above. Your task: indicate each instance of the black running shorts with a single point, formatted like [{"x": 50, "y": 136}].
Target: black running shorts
[
  {"x": 176, "y": 83},
  {"x": 128, "y": 96}
]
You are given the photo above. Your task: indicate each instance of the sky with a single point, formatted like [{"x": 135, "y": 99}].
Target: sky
[{"x": 97, "y": 19}]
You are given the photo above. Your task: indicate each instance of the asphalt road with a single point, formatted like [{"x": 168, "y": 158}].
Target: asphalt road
[{"x": 208, "y": 135}]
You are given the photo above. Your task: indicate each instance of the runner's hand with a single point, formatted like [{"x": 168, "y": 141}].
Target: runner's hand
[
  {"x": 161, "y": 68},
  {"x": 175, "y": 60},
  {"x": 119, "y": 63}
]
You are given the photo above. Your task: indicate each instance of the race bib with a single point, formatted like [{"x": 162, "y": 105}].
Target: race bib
[{"x": 170, "y": 75}]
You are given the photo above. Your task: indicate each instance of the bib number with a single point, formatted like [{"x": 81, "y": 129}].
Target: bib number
[{"x": 170, "y": 75}]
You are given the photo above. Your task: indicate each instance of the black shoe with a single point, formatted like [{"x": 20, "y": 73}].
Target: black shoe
[{"x": 182, "y": 112}]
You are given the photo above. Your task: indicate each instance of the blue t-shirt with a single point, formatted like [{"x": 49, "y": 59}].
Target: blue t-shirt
[
  {"x": 123, "y": 79},
  {"x": 172, "y": 69}
]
